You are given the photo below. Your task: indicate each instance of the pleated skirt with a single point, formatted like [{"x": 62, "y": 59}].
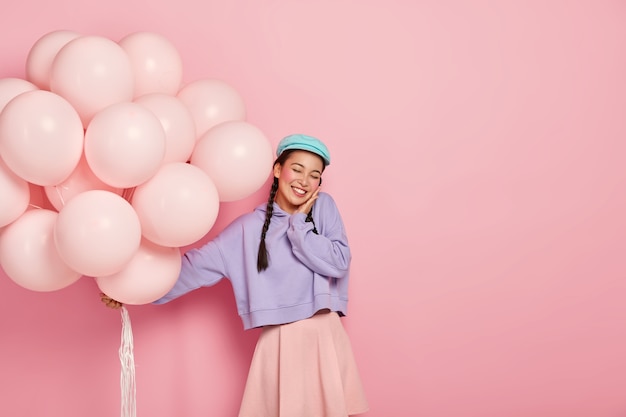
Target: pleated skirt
[{"x": 304, "y": 369}]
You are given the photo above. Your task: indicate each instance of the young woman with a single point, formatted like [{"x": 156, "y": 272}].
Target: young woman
[{"x": 288, "y": 262}]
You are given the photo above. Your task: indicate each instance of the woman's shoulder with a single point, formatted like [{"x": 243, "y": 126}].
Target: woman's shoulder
[
  {"x": 325, "y": 199},
  {"x": 239, "y": 227},
  {"x": 326, "y": 206},
  {"x": 248, "y": 219}
]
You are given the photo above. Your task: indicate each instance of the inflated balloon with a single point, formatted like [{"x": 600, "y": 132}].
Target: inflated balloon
[
  {"x": 135, "y": 163},
  {"x": 42, "y": 53},
  {"x": 82, "y": 179},
  {"x": 92, "y": 72},
  {"x": 179, "y": 127},
  {"x": 212, "y": 102},
  {"x": 177, "y": 206},
  {"x": 156, "y": 63},
  {"x": 125, "y": 144},
  {"x": 237, "y": 156},
  {"x": 151, "y": 273},
  {"x": 29, "y": 256},
  {"x": 12, "y": 87},
  {"x": 41, "y": 137},
  {"x": 15, "y": 195},
  {"x": 97, "y": 233}
]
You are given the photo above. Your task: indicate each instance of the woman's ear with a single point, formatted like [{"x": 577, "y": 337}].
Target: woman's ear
[{"x": 277, "y": 168}]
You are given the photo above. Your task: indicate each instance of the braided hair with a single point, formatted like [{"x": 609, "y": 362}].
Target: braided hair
[
  {"x": 262, "y": 261},
  {"x": 262, "y": 258}
]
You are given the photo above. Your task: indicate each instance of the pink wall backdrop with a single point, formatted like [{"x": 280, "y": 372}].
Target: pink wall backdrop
[{"x": 478, "y": 161}]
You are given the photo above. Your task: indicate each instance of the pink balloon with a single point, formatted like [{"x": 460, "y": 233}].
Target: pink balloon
[
  {"x": 41, "y": 137},
  {"x": 42, "y": 53},
  {"x": 97, "y": 233},
  {"x": 151, "y": 273},
  {"x": 82, "y": 179},
  {"x": 179, "y": 127},
  {"x": 15, "y": 195},
  {"x": 92, "y": 72},
  {"x": 125, "y": 145},
  {"x": 13, "y": 87},
  {"x": 212, "y": 102},
  {"x": 177, "y": 206},
  {"x": 156, "y": 63},
  {"x": 237, "y": 156},
  {"x": 28, "y": 254}
]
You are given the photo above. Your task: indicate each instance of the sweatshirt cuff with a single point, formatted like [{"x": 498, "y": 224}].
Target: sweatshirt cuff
[{"x": 298, "y": 220}]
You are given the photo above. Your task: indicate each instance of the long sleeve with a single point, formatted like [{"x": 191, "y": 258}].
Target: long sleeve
[
  {"x": 328, "y": 252},
  {"x": 200, "y": 267}
]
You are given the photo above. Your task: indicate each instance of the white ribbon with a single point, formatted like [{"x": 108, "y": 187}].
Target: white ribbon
[{"x": 127, "y": 377}]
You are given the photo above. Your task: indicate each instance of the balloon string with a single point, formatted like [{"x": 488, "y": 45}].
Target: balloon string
[
  {"x": 60, "y": 195},
  {"x": 127, "y": 377}
]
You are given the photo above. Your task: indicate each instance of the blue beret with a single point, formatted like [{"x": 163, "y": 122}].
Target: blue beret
[{"x": 304, "y": 143}]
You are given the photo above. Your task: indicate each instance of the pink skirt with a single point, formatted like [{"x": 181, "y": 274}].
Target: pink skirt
[{"x": 304, "y": 369}]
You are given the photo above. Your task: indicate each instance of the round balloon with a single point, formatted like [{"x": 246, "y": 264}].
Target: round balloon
[
  {"x": 82, "y": 179},
  {"x": 41, "y": 137},
  {"x": 212, "y": 102},
  {"x": 29, "y": 256},
  {"x": 125, "y": 144},
  {"x": 13, "y": 87},
  {"x": 177, "y": 206},
  {"x": 97, "y": 233},
  {"x": 179, "y": 127},
  {"x": 156, "y": 63},
  {"x": 92, "y": 72},
  {"x": 237, "y": 156},
  {"x": 149, "y": 275},
  {"x": 15, "y": 194},
  {"x": 42, "y": 53}
]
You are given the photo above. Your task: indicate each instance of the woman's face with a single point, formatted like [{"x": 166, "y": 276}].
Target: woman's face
[{"x": 298, "y": 178}]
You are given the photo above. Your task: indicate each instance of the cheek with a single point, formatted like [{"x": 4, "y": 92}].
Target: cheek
[{"x": 287, "y": 176}]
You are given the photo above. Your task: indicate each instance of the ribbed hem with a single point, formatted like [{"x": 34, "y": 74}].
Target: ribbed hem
[{"x": 290, "y": 314}]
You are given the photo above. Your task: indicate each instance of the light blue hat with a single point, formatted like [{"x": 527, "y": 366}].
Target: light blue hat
[{"x": 304, "y": 143}]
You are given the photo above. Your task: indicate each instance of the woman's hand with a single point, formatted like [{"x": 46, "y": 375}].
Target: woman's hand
[
  {"x": 109, "y": 302},
  {"x": 306, "y": 206}
]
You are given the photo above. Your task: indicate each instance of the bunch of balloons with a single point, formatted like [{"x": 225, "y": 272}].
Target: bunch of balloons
[{"x": 109, "y": 164}]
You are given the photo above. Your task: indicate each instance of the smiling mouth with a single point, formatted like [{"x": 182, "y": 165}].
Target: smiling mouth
[{"x": 298, "y": 191}]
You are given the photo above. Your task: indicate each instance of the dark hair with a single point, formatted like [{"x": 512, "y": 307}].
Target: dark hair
[{"x": 262, "y": 258}]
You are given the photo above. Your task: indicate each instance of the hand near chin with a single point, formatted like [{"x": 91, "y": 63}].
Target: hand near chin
[{"x": 306, "y": 207}]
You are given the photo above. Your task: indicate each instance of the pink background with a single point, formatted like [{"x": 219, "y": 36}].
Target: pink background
[{"x": 478, "y": 159}]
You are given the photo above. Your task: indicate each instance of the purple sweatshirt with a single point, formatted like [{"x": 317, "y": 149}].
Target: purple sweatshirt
[{"x": 307, "y": 271}]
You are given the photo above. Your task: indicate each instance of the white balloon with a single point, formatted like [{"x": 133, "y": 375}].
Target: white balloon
[
  {"x": 97, "y": 233},
  {"x": 237, "y": 156},
  {"x": 13, "y": 87},
  {"x": 15, "y": 194},
  {"x": 156, "y": 63},
  {"x": 29, "y": 256},
  {"x": 42, "y": 54},
  {"x": 177, "y": 206},
  {"x": 125, "y": 144}
]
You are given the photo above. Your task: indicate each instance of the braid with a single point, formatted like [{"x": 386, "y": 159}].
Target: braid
[
  {"x": 262, "y": 261},
  {"x": 309, "y": 218}
]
